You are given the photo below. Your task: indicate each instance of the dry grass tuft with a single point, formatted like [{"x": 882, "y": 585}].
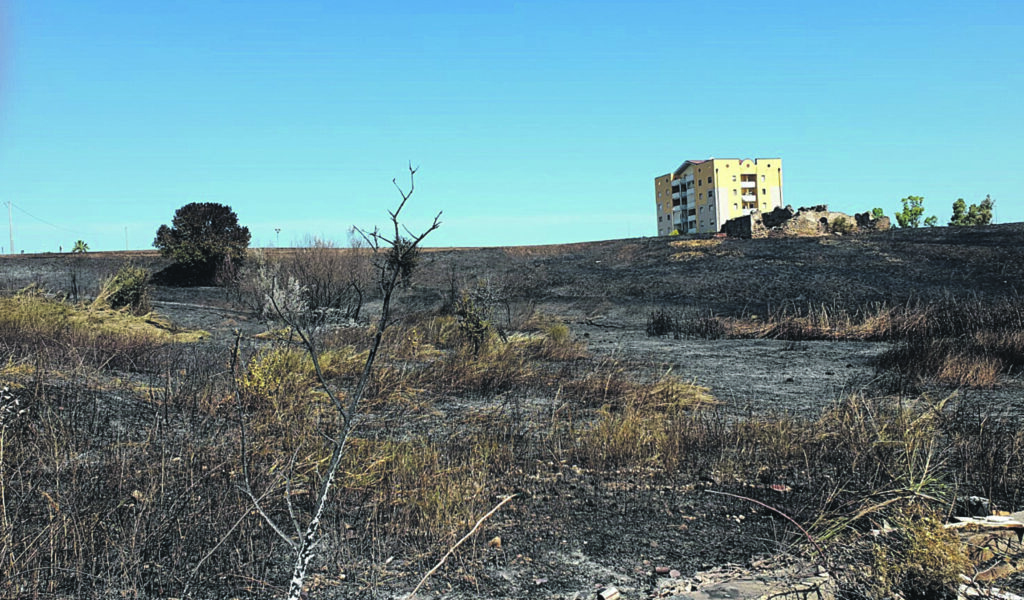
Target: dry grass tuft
[
  {"x": 699, "y": 248},
  {"x": 423, "y": 489},
  {"x": 32, "y": 325},
  {"x": 640, "y": 423}
]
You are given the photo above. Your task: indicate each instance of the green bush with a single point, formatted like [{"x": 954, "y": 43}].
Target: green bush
[
  {"x": 917, "y": 560},
  {"x": 202, "y": 237},
  {"x": 843, "y": 226},
  {"x": 129, "y": 287}
]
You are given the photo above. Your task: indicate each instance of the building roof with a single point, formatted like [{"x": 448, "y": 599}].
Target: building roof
[{"x": 683, "y": 166}]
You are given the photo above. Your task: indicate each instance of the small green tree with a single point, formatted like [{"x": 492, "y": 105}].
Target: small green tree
[
  {"x": 931, "y": 221},
  {"x": 976, "y": 214},
  {"x": 959, "y": 213},
  {"x": 877, "y": 213},
  {"x": 201, "y": 236},
  {"x": 80, "y": 247},
  {"x": 912, "y": 213},
  {"x": 984, "y": 214}
]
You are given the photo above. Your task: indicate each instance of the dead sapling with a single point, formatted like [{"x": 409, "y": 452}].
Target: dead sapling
[{"x": 396, "y": 253}]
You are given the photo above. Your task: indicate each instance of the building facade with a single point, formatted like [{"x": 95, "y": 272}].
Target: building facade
[{"x": 701, "y": 195}]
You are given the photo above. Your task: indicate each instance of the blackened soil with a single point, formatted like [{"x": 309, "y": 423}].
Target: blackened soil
[{"x": 571, "y": 529}]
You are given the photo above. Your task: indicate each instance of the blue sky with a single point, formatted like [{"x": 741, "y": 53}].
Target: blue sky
[{"x": 531, "y": 121}]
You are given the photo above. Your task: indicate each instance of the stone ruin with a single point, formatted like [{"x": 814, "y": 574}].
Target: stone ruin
[{"x": 805, "y": 221}]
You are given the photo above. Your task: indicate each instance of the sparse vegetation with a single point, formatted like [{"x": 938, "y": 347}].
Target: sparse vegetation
[
  {"x": 842, "y": 226},
  {"x": 122, "y": 474},
  {"x": 977, "y": 214},
  {"x": 128, "y": 288},
  {"x": 336, "y": 281}
]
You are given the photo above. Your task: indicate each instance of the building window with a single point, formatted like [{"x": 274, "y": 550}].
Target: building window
[
  {"x": 735, "y": 206},
  {"x": 735, "y": 192},
  {"x": 709, "y": 179},
  {"x": 762, "y": 178},
  {"x": 711, "y": 194},
  {"x": 734, "y": 178},
  {"x": 764, "y": 191}
]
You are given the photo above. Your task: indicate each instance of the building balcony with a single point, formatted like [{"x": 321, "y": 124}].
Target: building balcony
[
  {"x": 688, "y": 179},
  {"x": 749, "y": 198},
  {"x": 748, "y": 184},
  {"x": 677, "y": 195}
]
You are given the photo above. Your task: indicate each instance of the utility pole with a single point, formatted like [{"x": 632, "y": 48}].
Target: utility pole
[{"x": 10, "y": 225}]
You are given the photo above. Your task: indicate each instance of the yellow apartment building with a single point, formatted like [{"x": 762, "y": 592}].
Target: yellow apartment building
[{"x": 701, "y": 195}]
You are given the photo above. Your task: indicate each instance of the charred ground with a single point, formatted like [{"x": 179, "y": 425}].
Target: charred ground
[{"x": 577, "y": 522}]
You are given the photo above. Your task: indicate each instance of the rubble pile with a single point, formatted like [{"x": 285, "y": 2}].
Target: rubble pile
[{"x": 805, "y": 221}]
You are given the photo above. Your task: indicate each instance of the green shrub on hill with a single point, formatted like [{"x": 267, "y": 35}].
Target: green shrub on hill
[{"x": 129, "y": 287}]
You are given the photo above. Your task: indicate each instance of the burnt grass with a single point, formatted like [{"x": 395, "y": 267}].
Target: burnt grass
[{"x": 574, "y": 525}]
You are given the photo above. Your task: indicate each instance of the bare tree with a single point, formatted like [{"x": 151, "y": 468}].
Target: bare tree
[
  {"x": 396, "y": 253},
  {"x": 334, "y": 279}
]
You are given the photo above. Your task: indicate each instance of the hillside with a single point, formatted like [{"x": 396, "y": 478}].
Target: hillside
[
  {"x": 774, "y": 378},
  {"x": 729, "y": 275}
]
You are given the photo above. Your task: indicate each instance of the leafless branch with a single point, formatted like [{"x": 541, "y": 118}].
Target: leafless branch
[
  {"x": 246, "y": 487},
  {"x": 396, "y": 265},
  {"x": 307, "y": 341},
  {"x": 452, "y": 550},
  {"x": 216, "y": 546},
  {"x": 821, "y": 553},
  {"x": 288, "y": 494}
]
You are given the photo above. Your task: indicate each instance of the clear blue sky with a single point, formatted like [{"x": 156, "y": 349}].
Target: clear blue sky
[{"x": 531, "y": 121}]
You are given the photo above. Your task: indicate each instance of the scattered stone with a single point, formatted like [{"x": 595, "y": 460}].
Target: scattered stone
[
  {"x": 608, "y": 593},
  {"x": 792, "y": 579},
  {"x": 662, "y": 570},
  {"x": 866, "y": 220},
  {"x": 995, "y": 544},
  {"x": 972, "y": 506},
  {"x": 495, "y": 542},
  {"x": 972, "y": 590}
]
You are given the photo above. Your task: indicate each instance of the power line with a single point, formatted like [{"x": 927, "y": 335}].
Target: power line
[{"x": 44, "y": 221}]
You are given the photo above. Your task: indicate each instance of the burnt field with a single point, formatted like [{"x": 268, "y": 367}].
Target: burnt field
[{"x": 611, "y": 387}]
